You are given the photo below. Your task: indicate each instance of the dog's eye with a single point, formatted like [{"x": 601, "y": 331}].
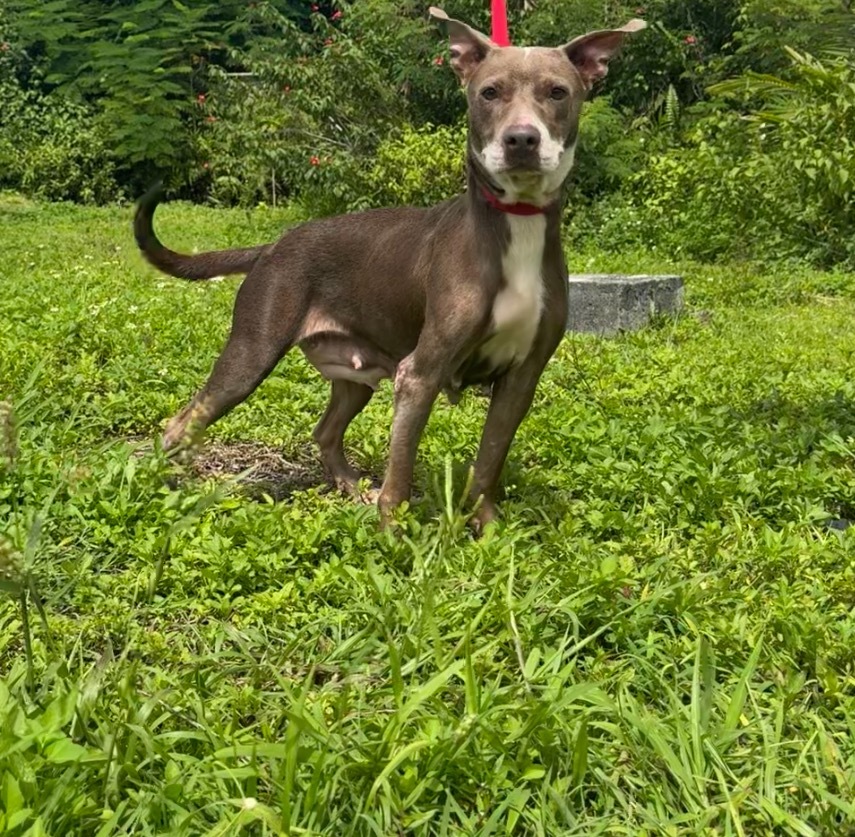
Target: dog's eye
[
  {"x": 558, "y": 93},
  {"x": 489, "y": 93}
]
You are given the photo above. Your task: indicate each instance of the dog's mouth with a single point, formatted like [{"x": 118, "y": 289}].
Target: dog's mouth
[
  {"x": 528, "y": 169},
  {"x": 523, "y": 174},
  {"x": 525, "y": 178},
  {"x": 525, "y": 167}
]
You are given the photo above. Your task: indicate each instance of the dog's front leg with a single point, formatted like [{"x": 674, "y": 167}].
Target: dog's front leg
[
  {"x": 511, "y": 399},
  {"x": 416, "y": 388}
]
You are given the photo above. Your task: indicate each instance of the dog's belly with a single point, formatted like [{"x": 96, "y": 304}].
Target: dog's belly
[{"x": 339, "y": 356}]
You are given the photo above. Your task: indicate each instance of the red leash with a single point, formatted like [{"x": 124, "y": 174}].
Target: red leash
[{"x": 500, "y": 23}]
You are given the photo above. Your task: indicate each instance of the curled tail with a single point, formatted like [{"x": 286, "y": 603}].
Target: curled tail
[{"x": 201, "y": 266}]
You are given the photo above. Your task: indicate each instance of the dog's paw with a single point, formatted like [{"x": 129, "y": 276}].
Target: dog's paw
[
  {"x": 359, "y": 488},
  {"x": 183, "y": 453},
  {"x": 485, "y": 515},
  {"x": 369, "y": 495}
]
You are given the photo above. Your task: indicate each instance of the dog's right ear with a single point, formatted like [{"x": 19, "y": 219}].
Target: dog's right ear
[
  {"x": 591, "y": 53},
  {"x": 468, "y": 46}
]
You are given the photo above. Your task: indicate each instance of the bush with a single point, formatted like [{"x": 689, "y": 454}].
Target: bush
[
  {"x": 420, "y": 166},
  {"x": 776, "y": 182},
  {"x": 606, "y": 153},
  {"x": 241, "y": 147},
  {"x": 50, "y": 147},
  {"x": 319, "y": 103},
  {"x": 139, "y": 64}
]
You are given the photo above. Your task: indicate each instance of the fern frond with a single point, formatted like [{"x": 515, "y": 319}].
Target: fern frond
[
  {"x": 758, "y": 84},
  {"x": 671, "y": 115}
]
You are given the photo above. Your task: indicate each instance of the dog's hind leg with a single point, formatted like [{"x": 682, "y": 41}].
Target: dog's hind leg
[
  {"x": 262, "y": 331},
  {"x": 242, "y": 366},
  {"x": 346, "y": 402}
]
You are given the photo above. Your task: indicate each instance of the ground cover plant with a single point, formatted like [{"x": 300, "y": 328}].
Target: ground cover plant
[{"x": 658, "y": 639}]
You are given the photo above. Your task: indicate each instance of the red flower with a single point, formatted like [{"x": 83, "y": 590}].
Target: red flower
[
  {"x": 314, "y": 7},
  {"x": 201, "y": 98},
  {"x": 315, "y": 161},
  {"x": 439, "y": 61},
  {"x": 335, "y": 15},
  {"x": 690, "y": 40}
]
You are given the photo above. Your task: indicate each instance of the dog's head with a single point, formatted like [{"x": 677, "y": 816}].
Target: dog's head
[{"x": 524, "y": 103}]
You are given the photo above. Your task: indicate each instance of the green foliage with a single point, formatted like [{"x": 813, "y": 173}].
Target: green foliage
[
  {"x": 40, "y": 754},
  {"x": 715, "y": 134},
  {"x": 419, "y": 166},
  {"x": 766, "y": 27},
  {"x": 49, "y": 146},
  {"x": 606, "y": 153},
  {"x": 140, "y": 64},
  {"x": 130, "y": 60},
  {"x": 683, "y": 50},
  {"x": 243, "y": 143},
  {"x": 656, "y": 640},
  {"x": 318, "y": 104},
  {"x": 777, "y": 182}
]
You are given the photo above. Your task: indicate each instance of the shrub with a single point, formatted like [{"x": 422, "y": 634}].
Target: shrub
[
  {"x": 606, "y": 153},
  {"x": 419, "y": 166},
  {"x": 242, "y": 148},
  {"x": 51, "y": 147},
  {"x": 140, "y": 65},
  {"x": 778, "y": 181},
  {"x": 319, "y": 103}
]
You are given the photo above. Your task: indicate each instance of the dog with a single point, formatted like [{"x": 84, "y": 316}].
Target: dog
[{"x": 470, "y": 292}]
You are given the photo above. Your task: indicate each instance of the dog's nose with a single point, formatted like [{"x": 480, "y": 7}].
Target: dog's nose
[{"x": 521, "y": 138}]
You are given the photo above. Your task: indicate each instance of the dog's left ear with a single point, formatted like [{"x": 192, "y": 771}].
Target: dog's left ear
[
  {"x": 591, "y": 53},
  {"x": 469, "y": 47}
]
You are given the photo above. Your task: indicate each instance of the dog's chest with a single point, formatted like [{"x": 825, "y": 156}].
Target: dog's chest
[{"x": 519, "y": 303}]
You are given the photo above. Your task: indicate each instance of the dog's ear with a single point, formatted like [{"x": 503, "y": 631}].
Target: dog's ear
[
  {"x": 468, "y": 46},
  {"x": 591, "y": 53}
]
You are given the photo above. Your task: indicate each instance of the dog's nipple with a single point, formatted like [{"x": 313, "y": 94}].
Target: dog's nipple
[{"x": 356, "y": 361}]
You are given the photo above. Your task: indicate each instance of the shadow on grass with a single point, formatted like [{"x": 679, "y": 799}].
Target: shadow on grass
[
  {"x": 265, "y": 470},
  {"x": 833, "y": 415},
  {"x": 258, "y": 470}
]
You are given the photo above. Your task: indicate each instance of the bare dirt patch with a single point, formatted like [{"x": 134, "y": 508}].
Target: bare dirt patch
[
  {"x": 262, "y": 469},
  {"x": 258, "y": 469}
]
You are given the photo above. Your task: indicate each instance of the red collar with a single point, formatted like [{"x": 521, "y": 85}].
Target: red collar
[{"x": 511, "y": 208}]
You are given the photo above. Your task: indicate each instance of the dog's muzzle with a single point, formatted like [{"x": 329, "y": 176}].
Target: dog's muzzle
[{"x": 521, "y": 147}]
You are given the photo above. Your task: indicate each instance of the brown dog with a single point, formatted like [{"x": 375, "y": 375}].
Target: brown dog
[{"x": 468, "y": 292}]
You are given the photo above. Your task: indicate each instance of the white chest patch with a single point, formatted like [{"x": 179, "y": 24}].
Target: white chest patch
[{"x": 518, "y": 306}]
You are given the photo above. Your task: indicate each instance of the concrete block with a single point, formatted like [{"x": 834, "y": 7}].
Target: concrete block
[{"x": 606, "y": 304}]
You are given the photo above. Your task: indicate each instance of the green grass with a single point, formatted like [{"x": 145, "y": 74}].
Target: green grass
[{"x": 657, "y": 640}]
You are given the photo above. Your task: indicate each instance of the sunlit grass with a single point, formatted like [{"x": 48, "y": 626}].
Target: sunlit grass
[{"x": 656, "y": 640}]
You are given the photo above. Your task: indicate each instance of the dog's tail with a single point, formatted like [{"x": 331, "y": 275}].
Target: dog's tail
[{"x": 200, "y": 266}]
